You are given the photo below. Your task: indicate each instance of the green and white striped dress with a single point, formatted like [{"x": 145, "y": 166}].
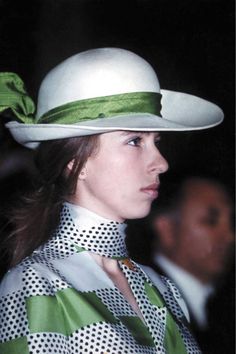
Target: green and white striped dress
[{"x": 60, "y": 301}]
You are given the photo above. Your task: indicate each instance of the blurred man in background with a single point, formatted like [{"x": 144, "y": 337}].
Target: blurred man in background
[
  {"x": 190, "y": 240},
  {"x": 193, "y": 240}
]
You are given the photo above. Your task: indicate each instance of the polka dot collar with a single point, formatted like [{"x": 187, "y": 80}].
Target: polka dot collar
[{"x": 93, "y": 232}]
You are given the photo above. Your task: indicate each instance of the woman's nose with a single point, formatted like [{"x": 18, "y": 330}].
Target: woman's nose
[
  {"x": 159, "y": 165},
  {"x": 163, "y": 164}
]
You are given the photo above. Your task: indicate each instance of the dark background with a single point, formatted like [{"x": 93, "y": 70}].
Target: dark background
[{"x": 190, "y": 43}]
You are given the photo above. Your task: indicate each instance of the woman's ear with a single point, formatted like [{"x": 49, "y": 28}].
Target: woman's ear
[
  {"x": 82, "y": 174},
  {"x": 70, "y": 165}
]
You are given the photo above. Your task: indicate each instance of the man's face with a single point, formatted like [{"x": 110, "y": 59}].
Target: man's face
[{"x": 204, "y": 236}]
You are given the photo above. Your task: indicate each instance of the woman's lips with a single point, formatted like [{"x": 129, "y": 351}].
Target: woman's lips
[{"x": 151, "y": 190}]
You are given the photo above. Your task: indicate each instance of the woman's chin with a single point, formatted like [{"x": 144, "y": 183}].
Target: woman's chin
[{"x": 139, "y": 214}]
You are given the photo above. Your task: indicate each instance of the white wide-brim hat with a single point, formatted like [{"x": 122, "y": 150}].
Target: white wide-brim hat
[{"x": 110, "y": 89}]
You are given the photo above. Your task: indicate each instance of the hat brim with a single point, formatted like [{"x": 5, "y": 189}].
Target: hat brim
[{"x": 180, "y": 112}]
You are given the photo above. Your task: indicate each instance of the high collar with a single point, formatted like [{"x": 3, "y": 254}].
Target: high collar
[{"x": 93, "y": 232}]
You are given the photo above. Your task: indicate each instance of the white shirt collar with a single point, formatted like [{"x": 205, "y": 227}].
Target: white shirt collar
[{"x": 195, "y": 293}]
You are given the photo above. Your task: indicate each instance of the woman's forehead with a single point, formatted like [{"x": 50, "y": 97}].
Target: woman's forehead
[
  {"x": 140, "y": 132},
  {"x": 127, "y": 133}
]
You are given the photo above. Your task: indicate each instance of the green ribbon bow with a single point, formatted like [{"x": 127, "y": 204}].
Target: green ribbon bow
[{"x": 14, "y": 97}]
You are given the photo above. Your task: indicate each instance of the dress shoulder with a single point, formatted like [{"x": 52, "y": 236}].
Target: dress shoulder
[{"x": 25, "y": 290}]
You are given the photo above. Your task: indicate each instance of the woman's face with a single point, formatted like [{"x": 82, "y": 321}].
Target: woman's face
[{"x": 121, "y": 180}]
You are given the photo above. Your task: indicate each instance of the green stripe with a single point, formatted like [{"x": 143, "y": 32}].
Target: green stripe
[
  {"x": 119, "y": 258},
  {"x": 79, "y": 249},
  {"x": 138, "y": 330},
  {"x": 173, "y": 341},
  {"x": 66, "y": 312},
  {"x": 154, "y": 295},
  {"x": 104, "y": 107},
  {"x": 15, "y": 346},
  {"x": 44, "y": 315}
]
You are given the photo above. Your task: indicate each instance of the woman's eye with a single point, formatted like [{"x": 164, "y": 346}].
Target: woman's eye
[
  {"x": 157, "y": 143},
  {"x": 135, "y": 141}
]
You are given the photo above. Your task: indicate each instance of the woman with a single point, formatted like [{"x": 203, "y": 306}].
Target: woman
[{"x": 96, "y": 139}]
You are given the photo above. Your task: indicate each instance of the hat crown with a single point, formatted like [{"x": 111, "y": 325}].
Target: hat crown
[{"x": 96, "y": 73}]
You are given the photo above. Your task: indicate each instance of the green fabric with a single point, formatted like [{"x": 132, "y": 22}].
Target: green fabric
[
  {"x": 173, "y": 341},
  {"x": 44, "y": 314},
  {"x": 79, "y": 249},
  {"x": 119, "y": 258},
  {"x": 154, "y": 295},
  {"x": 138, "y": 329},
  {"x": 15, "y": 346},
  {"x": 14, "y": 97},
  {"x": 66, "y": 312},
  {"x": 103, "y": 107}
]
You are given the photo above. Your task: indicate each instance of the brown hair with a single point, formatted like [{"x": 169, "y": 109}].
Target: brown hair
[{"x": 37, "y": 215}]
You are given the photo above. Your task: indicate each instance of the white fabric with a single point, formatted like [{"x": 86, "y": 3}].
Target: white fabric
[
  {"x": 81, "y": 265},
  {"x": 84, "y": 218},
  {"x": 156, "y": 279},
  {"x": 195, "y": 293}
]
